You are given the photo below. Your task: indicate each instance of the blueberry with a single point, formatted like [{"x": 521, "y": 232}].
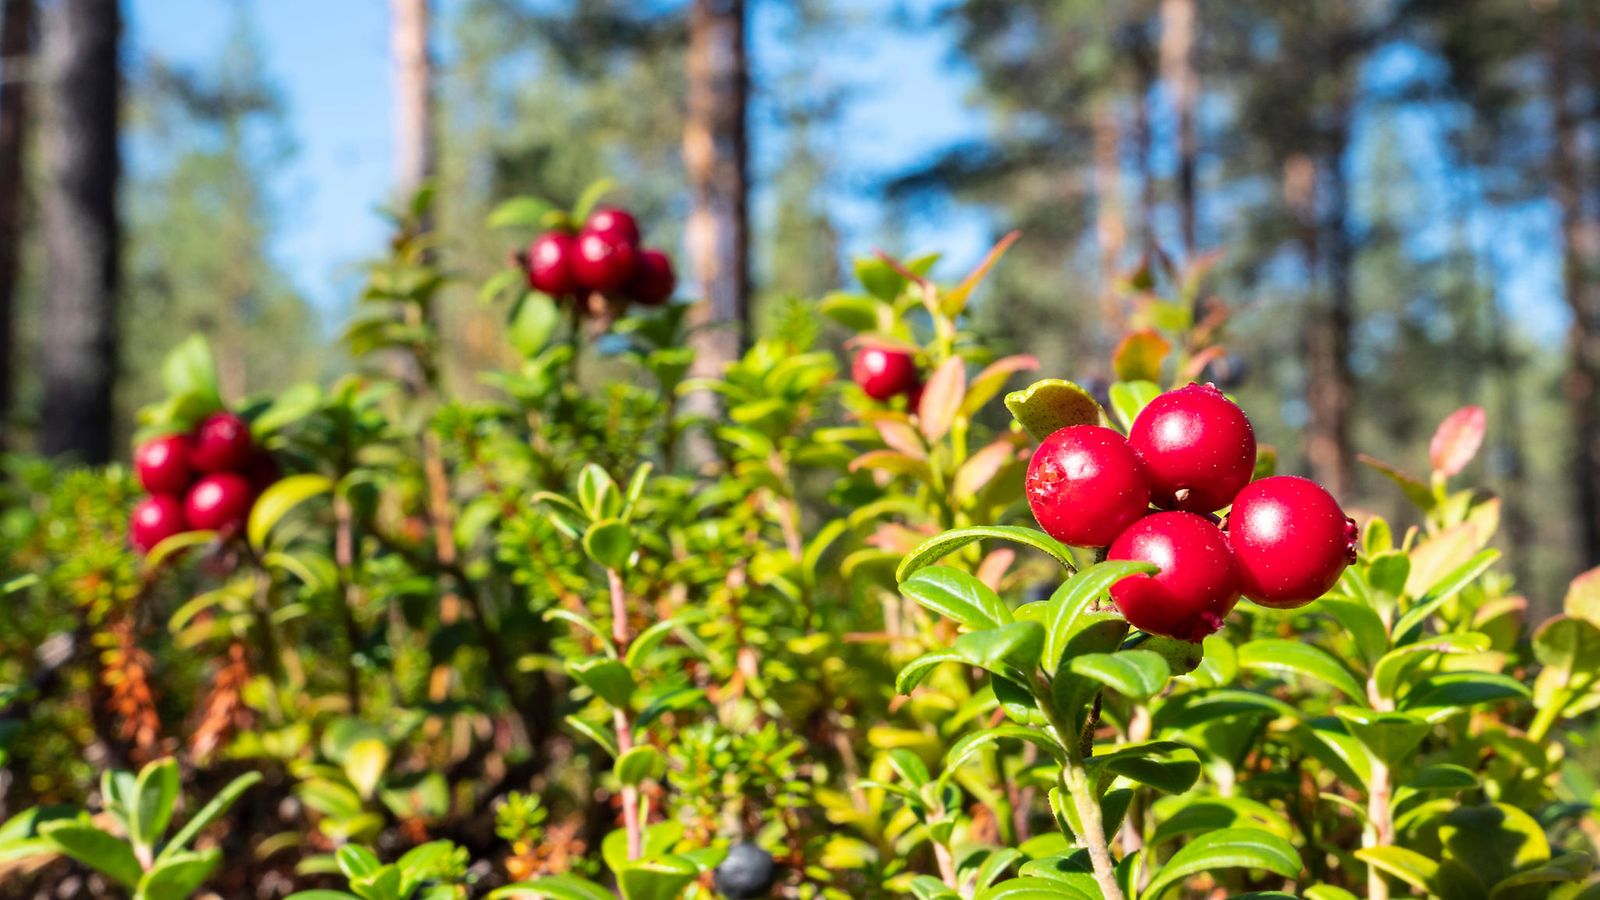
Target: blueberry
[{"x": 747, "y": 872}]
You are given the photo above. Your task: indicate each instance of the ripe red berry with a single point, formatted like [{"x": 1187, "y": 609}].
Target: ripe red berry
[
  {"x": 550, "y": 268},
  {"x": 884, "y": 371},
  {"x": 616, "y": 224},
  {"x": 1197, "y": 585},
  {"x": 221, "y": 444},
  {"x": 1197, "y": 447},
  {"x": 163, "y": 464},
  {"x": 603, "y": 263},
  {"x": 155, "y": 519},
  {"x": 653, "y": 279},
  {"x": 1290, "y": 539},
  {"x": 1085, "y": 485},
  {"x": 218, "y": 502}
]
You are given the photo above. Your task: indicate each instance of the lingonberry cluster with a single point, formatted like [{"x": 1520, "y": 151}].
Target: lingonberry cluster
[
  {"x": 883, "y": 372},
  {"x": 603, "y": 257},
  {"x": 205, "y": 480},
  {"x": 1190, "y": 453}
]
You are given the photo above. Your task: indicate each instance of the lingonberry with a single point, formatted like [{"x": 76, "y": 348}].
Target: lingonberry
[
  {"x": 550, "y": 268},
  {"x": 616, "y": 224},
  {"x": 1290, "y": 539},
  {"x": 653, "y": 280},
  {"x": 218, "y": 502},
  {"x": 884, "y": 371},
  {"x": 163, "y": 464},
  {"x": 1085, "y": 485},
  {"x": 222, "y": 444},
  {"x": 155, "y": 519},
  {"x": 1197, "y": 584},
  {"x": 603, "y": 263},
  {"x": 1197, "y": 447},
  {"x": 746, "y": 872}
]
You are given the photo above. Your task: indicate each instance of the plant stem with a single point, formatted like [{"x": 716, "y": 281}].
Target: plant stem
[
  {"x": 1380, "y": 827},
  {"x": 344, "y": 558},
  {"x": 947, "y": 865},
  {"x": 1075, "y": 779},
  {"x": 621, "y": 718}
]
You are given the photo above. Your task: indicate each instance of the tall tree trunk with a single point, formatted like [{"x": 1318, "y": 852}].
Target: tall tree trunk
[
  {"x": 1177, "y": 70},
  {"x": 16, "y": 48},
  {"x": 1111, "y": 232},
  {"x": 413, "y": 86},
  {"x": 1330, "y": 390},
  {"x": 1144, "y": 70},
  {"x": 78, "y": 354}
]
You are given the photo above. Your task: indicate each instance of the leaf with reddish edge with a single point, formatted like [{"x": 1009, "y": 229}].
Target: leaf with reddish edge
[
  {"x": 1139, "y": 356},
  {"x": 899, "y": 436},
  {"x": 891, "y": 462},
  {"x": 955, "y": 300},
  {"x": 1195, "y": 365},
  {"x": 941, "y": 398},
  {"x": 982, "y": 466},
  {"x": 1414, "y": 489},
  {"x": 986, "y": 384},
  {"x": 1457, "y": 440},
  {"x": 1583, "y": 597}
]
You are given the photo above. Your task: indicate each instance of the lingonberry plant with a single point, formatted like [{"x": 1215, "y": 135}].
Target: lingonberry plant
[{"x": 544, "y": 634}]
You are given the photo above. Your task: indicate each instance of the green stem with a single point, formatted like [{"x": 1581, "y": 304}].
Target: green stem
[
  {"x": 1075, "y": 779},
  {"x": 621, "y": 717}
]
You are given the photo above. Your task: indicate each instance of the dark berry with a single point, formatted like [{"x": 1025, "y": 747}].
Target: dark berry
[
  {"x": 616, "y": 224},
  {"x": 653, "y": 279},
  {"x": 222, "y": 444},
  {"x": 603, "y": 263},
  {"x": 1197, "y": 447},
  {"x": 218, "y": 502},
  {"x": 155, "y": 519},
  {"x": 163, "y": 464},
  {"x": 1291, "y": 541},
  {"x": 746, "y": 872},
  {"x": 1085, "y": 485},
  {"x": 1197, "y": 585},
  {"x": 884, "y": 372},
  {"x": 261, "y": 471},
  {"x": 550, "y": 267}
]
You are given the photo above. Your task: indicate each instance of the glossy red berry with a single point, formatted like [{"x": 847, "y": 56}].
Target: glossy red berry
[
  {"x": 1290, "y": 539},
  {"x": 616, "y": 224},
  {"x": 1197, "y": 585},
  {"x": 155, "y": 519},
  {"x": 884, "y": 372},
  {"x": 218, "y": 502},
  {"x": 603, "y": 263},
  {"x": 653, "y": 279},
  {"x": 163, "y": 464},
  {"x": 1197, "y": 447},
  {"x": 222, "y": 444},
  {"x": 1085, "y": 485},
  {"x": 550, "y": 268}
]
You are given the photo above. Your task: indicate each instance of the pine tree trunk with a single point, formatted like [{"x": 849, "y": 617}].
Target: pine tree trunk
[
  {"x": 1111, "y": 232},
  {"x": 78, "y": 352},
  {"x": 1177, "y": 70},
  {"x": 16, "y": 48},
  {"x": 1330, "y": 390},
  {"x": 414, "y": 137}
]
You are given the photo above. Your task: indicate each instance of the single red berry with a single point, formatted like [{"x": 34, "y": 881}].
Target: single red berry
[
  {"x": 884, "y": 372},
  {"x": 163, "y": 464},
  {"x": 1197, "y": 585},
  {"x": 653, "y": 279},
  {"x": 550, "y": 268},
  {"x": 603, "y": 263},
  {"x": 1290, "y": 539},
  {"x": 218, "y": 502},
  {"x": 616, "y": 224},
  {"x": 222, "y": 444},
  {"x": 1197, "y": 447},
  {"x": 261, "y": 471},
  {"x": 155, "y": 519},
  {"x": 1085, "y": 485}
]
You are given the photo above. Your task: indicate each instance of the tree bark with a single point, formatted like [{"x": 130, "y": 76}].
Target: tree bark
[
  {"x": 1331, "y": 391},
  {"x": 1111, "y": 232},
  {"x": 16, "y": 48},
  {"x": 415, "y": 148},
  {"x": 1177, "y": 70},
  {"x": 78, "y": 353}
]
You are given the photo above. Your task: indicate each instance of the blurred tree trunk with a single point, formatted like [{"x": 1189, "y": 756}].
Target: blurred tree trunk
[
  {"x": 1331, "y": 390},
  {"x": 16, "y": 48},
  {"x": 1142, "y": 57},
  {"x": 78, "y": 346},
  {"x": 415, "y": 149},
  {"x": 1177, "y": 70},
  {"x": 1111, "y": 232}
]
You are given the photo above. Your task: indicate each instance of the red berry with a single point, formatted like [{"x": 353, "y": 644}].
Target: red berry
[
  {"x": 222, "y": 444},
  {"x": 1291, "y": 541},
  {"x": 155, "y": 519},
  {"x": 550, "y": 268},
  {"x": 914, "y": 397},
  {"x": 218, "y": 502},
  {"x": 603, "y": 263},
  {"x": 1085, "y": 485},
  {"x": 1197, "y": 585},
  {"x": 653, "y": 280},
  {"x": 1197, "y": 447},
  {"x": 163, "y": 464},
  {"x": 616, "y": 224},
  {"x": 884, "y": 371}
]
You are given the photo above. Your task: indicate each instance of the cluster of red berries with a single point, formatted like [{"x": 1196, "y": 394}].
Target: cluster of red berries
[
  {"x": 884, "y": 372},
  {"x": 603, "y": 257},
  {"x": 206, "y": 480},
  {"x": 1190, "y": 453}
]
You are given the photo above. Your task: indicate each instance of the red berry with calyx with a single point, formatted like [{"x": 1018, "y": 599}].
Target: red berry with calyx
[
  {"x": 163, "y": 464},
  {"x": 155, "y": 519},
  {"x": 884, "y": 372},
  {"x": 222, "y": 444},
  {"x": 1197, "y": 447},
  {"x": 616, "y": 224},
  {"x": 1085, "y": 485},
  {"x": 1291, "y": 541},
  {"x": 603, "y": 263},
  {"x": 1197, "y": 584},
  {"x": 653, "y": 279},
  {"x": 550, "y": 264},
  {"x": 218, "y": 502}
]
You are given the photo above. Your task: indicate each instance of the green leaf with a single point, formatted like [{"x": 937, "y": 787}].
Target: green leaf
[
  {"x": 276, "y": 501},
  {"x": 1407, "y": 865},
  {"x": 954, "y": 301},
  {"x": 1014, "y": 644},
  {"x": 190, "y": 371},
  {"x": 909, "y": 767},
  {"x": 95, "y": 849},
  {"x": 320, "y": 894},
  {"x": 609, "y": 679},
  {"x": 172, "y": 546},
  {"x": 1285, "y": 657},
  {"x": 957, "y": 596},
  {"x": 355, "y": 861},
  {"x": 1035, "y": 889},
  {"x": 155, "y": 797},
  {"x": 1363, "y": 624},
  {"x": 656, "y": 879},
  {"x": 609, "y": 543},
  {"x": 1167, "y": 766},
  {"x": 1135, "y": 674},
  {"x": 1442, "y": 777},
  {"x": 520, "y": 212},
  {"x": 597, "y": 493},
  {"x": 364, "y": 764},
  {"x": 1328, "y": 892},
  {"x": 1394, "y": 666},
  {"x": 940, "y": 546},
  {"x": 639, "y": 764},
  {"x": 1231, "y": 848},
  {"x": 1568, "y": 867},
  {"x": 969, "y": 745},
  {"x": 535, "y": 321},
  {"x": 879, "y": 278},
  {"x": 208, "y": 814},
  {"x": 179, "y": 876},
  {"x": 672, "y": 701},
  {"x": 1047, "y": 406},
  {"x": 927, "y": 887},
  {"x": 598, "y": 734},
  {"x": 1129, "y": 398},
  {"x": 1069, "y": 607},
  {"x": 1207, "y": 814},
  {"x": 552, "y": 887},
  {"x": 1409, "y": 628},
  {"x": 591, "y": 197},
  {"x": 1448, "y": 692},
  {"x": 1391, "y": 736}
]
